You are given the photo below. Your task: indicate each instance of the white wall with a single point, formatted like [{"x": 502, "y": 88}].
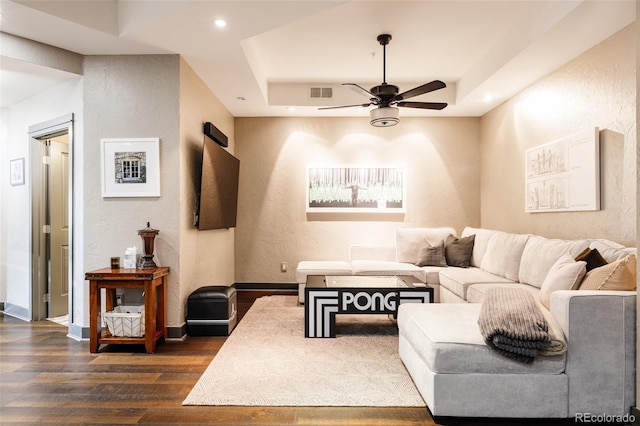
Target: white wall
[
  {"x": 597, "y": 89},
  {"x": 441, "y": 156},
  {"x": 15, "y": 229},
  {"x": 4, "y": 172}
]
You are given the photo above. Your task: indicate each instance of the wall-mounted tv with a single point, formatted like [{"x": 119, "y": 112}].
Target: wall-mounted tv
[{"x": 218, "y": 200}]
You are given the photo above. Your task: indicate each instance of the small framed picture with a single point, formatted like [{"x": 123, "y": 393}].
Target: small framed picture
[
  {"x": 17, "y": 172},
  {"x": 130, "y": 167}
]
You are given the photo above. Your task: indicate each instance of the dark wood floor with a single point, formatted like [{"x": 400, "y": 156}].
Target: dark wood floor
[{"x": 47, "y": 378}]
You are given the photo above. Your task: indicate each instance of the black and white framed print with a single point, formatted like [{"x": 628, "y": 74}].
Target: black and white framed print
[{"x": 130, "y": 167}]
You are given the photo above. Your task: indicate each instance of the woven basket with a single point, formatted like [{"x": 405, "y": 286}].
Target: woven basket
[{"x": 125, "y": 321}]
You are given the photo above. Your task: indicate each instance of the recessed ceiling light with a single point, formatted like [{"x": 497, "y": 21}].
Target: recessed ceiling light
[
  {"x": 220, "y": 23},
  {"x": 241, "y": 98},
  {"x": 488, "y": 97}
]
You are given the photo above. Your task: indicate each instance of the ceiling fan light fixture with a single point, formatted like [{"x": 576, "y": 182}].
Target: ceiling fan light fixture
[{"x": 384, "y": 116}]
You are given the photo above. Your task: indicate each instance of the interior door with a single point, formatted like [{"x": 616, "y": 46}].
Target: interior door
[{"x": 59, "y": 222}]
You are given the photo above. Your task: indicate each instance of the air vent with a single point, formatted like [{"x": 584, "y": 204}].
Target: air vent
[{"x": 320, "y": 92}]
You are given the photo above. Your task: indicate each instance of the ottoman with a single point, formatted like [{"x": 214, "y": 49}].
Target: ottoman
[
  {"x": 318, "y": 267},
  {"x": 211, "y": 311}
]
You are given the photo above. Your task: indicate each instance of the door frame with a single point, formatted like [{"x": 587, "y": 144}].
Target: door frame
[{"x": 39, "y": 285}]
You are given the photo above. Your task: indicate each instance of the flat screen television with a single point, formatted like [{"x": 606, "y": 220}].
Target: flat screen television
[{"x": 218, "y": 200}]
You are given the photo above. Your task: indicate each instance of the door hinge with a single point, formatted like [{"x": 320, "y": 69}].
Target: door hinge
[
  {"x": 46, "y": 298},
  {"x": 46, "y": 229},
  {"x": 46, "y": 160}
]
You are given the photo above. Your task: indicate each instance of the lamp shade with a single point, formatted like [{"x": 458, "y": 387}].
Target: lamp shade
[{"x": 384, "y": 116}]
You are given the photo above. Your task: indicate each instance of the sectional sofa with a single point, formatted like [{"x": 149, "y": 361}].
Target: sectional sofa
[{"x": 444, "y": 351}]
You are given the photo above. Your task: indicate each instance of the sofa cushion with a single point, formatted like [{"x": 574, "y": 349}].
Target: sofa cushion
[
  {"x": 480, "y": 243},
  {"x": 618, "y": 275},
  {"x": 447, "y": 338},
  {"x": 373, "y": 267},
  {"x": 371, "y": 252},
  {"x": 611, "y": 251},
  {"x": 457, "y": 280},
  {"x": 592, "y": 257},
  {"x": 457, "y": 251},
  {"x": 503, "y": 254},
  {"x": 321, "y": 267},
  {"x": 432, "y": 274},
  {"x": 431, "y": 255},
  {"x": 565, "y": 274},
  {"x": 409, "y": 241},
  {"x": 476, "y": 292},
  {"x": 541, "y": 253}
]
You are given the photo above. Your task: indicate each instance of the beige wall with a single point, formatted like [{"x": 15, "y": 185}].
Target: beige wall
[
  {"x": 132, "y": 97},
  {"x": 597, "y": 89},
  {"x": 206, "y": 257},
  {"x": 441, "y": 156}
]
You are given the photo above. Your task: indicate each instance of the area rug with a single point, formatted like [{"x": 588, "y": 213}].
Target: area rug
[{"x": 267, "y": 361}]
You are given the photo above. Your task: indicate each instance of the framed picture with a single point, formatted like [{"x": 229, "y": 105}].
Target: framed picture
[
  {"x": 17, "y": 171},
  {"x": 130, "y": 167},
  {"x": 564, "y": 175},
  {"x": 356, "y": 189}
]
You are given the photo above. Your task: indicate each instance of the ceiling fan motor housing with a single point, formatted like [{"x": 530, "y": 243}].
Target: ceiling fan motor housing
[{"x": 385, "y": 91}]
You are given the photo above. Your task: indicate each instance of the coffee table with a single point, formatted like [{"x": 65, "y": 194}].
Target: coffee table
[{"x": 326, "y": 296}]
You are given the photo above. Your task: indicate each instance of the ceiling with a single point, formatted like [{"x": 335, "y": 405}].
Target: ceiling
[{"x": 271, "y": 52}]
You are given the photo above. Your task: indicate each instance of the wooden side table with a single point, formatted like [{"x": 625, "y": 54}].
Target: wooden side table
[{"x": 154, "y": 284}]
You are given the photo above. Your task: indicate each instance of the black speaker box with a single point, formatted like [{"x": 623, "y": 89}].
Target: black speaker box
[{"x": 214, "y": 133}]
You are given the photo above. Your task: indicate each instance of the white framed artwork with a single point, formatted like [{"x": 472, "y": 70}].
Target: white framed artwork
[
  {"x": 130, "y": 167},
  {"x": 16, "y": 170},
  {"x": 356, "y": 189},
  {"x": 564, "y": 175}
]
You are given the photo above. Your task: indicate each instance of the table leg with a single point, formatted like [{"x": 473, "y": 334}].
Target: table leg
[
  {"x": 150, "y": 316},
  {"x": 94, "y": 316},
  {"x": 161, "y": 314}
]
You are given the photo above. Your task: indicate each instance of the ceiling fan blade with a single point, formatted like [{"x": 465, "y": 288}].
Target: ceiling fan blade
[
  {"x": 346, "y": 106},
  {"x": 361, "y": 90},
  {"x": 420, "y": 90},
  {"x": 423, "y": 105}
]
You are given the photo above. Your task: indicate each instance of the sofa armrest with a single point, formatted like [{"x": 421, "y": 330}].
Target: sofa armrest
[
  {"x": 560, "y": 303},
  {"x": 371, "y": 252},
  {"x": 600, "y": 327}
]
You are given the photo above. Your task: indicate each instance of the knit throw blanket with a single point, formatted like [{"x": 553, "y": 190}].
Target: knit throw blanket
[{"x": 512, "y": 324}]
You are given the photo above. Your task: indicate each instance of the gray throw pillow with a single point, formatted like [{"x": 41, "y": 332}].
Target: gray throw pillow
[
  {"x": 458, "y": 251},
  {"x": 431, "y": 255}
]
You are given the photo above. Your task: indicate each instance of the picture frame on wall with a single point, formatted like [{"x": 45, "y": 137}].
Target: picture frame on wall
[
  {"x": 564, "y": 175},
  {"x": 356, "y": 189},
  {"x": 16, "y": 170},
  {"x": 130, "y": 167}
]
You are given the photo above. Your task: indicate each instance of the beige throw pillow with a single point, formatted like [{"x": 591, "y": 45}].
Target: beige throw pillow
[
  {"x": 563, "y": 275},
  {"x": 618, "y": 275}
]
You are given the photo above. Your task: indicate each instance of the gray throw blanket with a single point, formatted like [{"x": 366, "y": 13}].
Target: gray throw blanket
[{"x": 511, "y": 322}]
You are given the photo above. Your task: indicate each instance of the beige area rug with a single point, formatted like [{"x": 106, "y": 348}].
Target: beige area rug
[{"x": 267, "y": 361}]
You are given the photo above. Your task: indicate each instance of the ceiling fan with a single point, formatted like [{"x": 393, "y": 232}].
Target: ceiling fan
[{"x": 386, "y": 96}]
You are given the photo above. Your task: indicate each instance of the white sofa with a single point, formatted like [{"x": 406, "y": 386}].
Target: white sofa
[
  {"x": 398, "y": 259},
  {"x": 459, "y": 375}
]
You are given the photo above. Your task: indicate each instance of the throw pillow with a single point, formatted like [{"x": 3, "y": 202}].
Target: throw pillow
[
  {"x": 564, "y": 274},
  {"x": 593, "y": 258},
  {"x": 458, "y": 251},
  {"x": 618, "y": 275},
  {"x": 431, "y": 255}
]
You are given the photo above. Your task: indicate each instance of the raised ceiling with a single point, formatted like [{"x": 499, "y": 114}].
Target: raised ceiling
[{"x": 271, "y": 52}]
